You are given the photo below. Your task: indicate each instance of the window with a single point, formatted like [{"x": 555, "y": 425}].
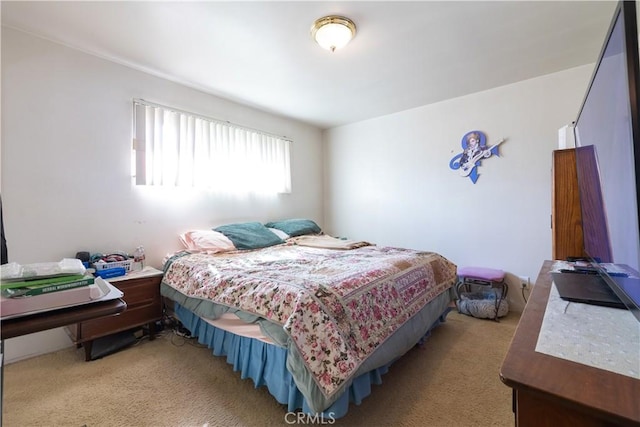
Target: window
[{"x": 176, "y": 148}]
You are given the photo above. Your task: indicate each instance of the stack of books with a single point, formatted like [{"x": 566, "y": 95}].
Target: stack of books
[{"x": 38, "y": 294}]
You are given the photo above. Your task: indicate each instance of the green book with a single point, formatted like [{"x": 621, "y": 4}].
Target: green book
[
  {"x": 40, "y": 281},
  {"x": 44, "y": 286}
]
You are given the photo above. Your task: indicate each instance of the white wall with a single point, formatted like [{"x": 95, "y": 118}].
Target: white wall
[
  {"x": 66, "y": 186},
  {"x": 388, "y": 179}
]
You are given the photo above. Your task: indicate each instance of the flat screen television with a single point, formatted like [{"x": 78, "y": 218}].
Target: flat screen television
[{"x": 607, "y": 134}]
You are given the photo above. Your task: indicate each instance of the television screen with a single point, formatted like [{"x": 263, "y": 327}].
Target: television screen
[{"x": 607, "y": 135}]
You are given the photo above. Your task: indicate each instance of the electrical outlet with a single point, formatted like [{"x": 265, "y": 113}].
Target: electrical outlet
[{"x": 524, "y": 281}]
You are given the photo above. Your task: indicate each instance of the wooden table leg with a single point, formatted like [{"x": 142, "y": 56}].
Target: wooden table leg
[
  {"x": 88, "y": 345},
  {"x": 152, "y": 331}
]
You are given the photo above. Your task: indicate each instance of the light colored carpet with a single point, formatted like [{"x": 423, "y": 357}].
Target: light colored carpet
[{"x": 452, "y": 380}]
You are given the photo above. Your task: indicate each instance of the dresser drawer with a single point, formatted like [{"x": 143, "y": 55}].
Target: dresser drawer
[
  {"x": 140, "y": 292},
  {"x": 144, "y": 306},
  {"x": 132, "y": 317}
]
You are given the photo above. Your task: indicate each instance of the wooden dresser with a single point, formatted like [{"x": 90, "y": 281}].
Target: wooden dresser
[
  {"x": 566, "y": 216},
  {"x": 144, "y": 307},
  {"x": 555, "y": 392}
]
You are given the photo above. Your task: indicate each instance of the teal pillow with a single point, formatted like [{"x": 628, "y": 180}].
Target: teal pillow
[
  {"x": 249, "y": 235},
  {"x": 295, "y": 227}
]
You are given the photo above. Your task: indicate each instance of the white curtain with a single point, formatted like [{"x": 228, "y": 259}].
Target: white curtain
[{"x": 175, "y": 148}]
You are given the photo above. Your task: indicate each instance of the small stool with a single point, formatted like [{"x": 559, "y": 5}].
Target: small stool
[{"x": 490, "y": 302}]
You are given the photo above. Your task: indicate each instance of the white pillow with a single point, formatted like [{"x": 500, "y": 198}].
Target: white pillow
[
  {"x": 281, "y": 234},
  {"x": 206, "y": 241}
]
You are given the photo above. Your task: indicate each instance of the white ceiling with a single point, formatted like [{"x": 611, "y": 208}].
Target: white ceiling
[{"x": 405, "y": 54}]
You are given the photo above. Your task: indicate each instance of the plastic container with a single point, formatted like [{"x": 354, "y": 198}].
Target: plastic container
[
  {"x": 111, "y": 272},
  {"x": 138, "y": 256},
  {"x": 127, "y": 265}
]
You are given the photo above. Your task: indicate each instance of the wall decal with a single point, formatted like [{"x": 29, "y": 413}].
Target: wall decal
[{"x": 474, "y": 146}]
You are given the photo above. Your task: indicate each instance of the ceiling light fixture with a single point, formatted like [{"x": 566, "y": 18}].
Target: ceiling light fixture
[{"x": 333, "y": 32}]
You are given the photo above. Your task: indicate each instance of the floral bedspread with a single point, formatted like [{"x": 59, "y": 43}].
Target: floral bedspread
[{"x": 337, "y": 307}]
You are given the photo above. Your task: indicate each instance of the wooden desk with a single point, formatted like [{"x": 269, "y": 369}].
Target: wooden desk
[
  {"x": 549, "y": 391},
  {"x": 28, "y": 324}
]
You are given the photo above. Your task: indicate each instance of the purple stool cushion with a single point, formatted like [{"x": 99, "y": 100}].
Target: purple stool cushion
[{"x": 489, "y": 274}]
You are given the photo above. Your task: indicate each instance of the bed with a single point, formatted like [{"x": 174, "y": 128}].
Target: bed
[{"x": 315, "y": 319}]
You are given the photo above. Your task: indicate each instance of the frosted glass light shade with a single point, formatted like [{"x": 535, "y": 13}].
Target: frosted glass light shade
[{"x": 333, "y": 32}]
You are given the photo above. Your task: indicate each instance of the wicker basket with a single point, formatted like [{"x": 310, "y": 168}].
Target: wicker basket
[{"x": 483, "y": 305}]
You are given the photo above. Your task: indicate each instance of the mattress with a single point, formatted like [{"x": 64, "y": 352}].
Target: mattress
[{"x": 230, "y": 322}]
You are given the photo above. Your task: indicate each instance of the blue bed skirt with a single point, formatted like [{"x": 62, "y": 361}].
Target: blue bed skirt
[{"x": 266, "y": 364}]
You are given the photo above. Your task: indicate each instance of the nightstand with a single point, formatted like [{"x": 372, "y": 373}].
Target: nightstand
[{"x": 144, "y": 307}]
